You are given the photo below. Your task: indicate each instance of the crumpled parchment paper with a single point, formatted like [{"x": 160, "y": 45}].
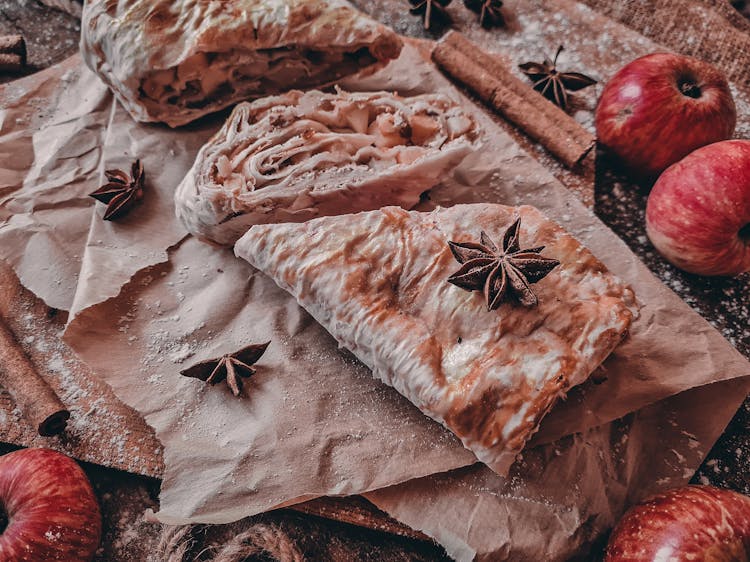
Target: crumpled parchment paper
[
  {"x": 560, "y": 498},
  {"x": 312, "y": 421}
]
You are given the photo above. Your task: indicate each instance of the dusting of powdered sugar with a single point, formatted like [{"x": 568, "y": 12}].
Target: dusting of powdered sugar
[{"x": 95, "y": 432}]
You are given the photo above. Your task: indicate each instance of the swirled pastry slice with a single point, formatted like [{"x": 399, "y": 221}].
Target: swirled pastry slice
[
  {"x": 298, "y": 156},
  {"x": 176, "y": 60},
  {"x": 378, "y": 281}
]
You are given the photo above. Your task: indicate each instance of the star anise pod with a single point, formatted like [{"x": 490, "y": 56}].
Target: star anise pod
[
  {"x": 489, "y": 12},
  {"x": 121, "y": 192},
  {"x": 232, "y": 367},
  {"x": 432, "y": 10},
  {"x": 553, "y": 84},
  {"x": 506, "y": 273}
]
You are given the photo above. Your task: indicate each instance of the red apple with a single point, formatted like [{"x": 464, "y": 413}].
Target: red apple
[
  {"x": 698, "y": 213},
  {"x": 661, "y": 107},
  {"x": 690, "y": 523},
  {"x": 49, "y": 508}
]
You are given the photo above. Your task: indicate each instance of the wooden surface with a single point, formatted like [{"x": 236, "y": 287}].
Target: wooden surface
[
  {"x": 51, "y": 36},
  {"x": 101, "y": 429}
]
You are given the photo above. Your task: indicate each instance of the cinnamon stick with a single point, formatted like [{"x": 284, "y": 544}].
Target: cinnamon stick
[
  {"x": 10, "y": 63},
  {"x": 34, "y": 397},
  {"x": 356, "y": 510},
  {"x": 12, "y": 52},
  {"x": 516, "y": 101}
]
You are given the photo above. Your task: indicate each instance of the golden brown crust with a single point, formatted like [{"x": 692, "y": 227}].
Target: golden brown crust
[
  {"x": 378, "y": 282},
  {"x": 176, "y": 60}
]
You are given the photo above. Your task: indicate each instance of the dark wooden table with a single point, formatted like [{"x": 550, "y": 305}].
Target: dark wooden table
[{"x": 52, "y": 35}]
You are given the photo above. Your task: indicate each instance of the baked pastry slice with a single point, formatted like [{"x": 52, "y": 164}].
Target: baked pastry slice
[
  {"x": 298, "y": 156},
  {"x": 176, "y": 60},
  {"x": 379, "y": 282}
]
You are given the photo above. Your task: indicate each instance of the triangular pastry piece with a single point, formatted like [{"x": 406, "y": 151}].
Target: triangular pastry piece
[
  {"x": 298, "y": 156},
  {"x": 176, "y": 60},
  {"x": 378, "y": 281}
]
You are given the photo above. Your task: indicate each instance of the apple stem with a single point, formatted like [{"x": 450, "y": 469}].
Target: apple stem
[{"x": 689, "y": 88}]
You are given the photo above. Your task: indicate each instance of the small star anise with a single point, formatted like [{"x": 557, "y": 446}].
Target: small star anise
[
  {"x": 121, "y": 192},
  {"x": 432, "y": 10},
  {"x": 553, "y": 84},
  {"x": 489, "y": 12},
  {"x": 500, "y": 273},
  {"x": 232, "y": 367}
]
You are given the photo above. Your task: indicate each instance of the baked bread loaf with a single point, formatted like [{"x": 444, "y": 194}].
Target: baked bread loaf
[
  {"x": 298, "y": 156},
  {"x": 176, "y": 60},
  {"x": 378, "y": 282}
]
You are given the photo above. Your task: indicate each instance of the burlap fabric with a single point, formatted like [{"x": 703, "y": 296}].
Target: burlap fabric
[{"x": 711, "y": 30}]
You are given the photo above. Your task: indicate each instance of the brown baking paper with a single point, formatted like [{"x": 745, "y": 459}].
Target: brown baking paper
[
  {"x": 226, "y": 458},
  {"x": 61, "y": 130},
  {"x": 115, "y": 250},
  {"x": 313, "y": 422},
  {"x": 52, "y": 129},
  {"x": 560, "y": 498}
]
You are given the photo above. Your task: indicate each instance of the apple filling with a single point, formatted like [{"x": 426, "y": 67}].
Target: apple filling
[
  {"x": 335, "y": 134},
  {"x": 212, "y": 78}
]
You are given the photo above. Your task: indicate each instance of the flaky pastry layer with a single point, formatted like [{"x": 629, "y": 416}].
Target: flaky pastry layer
[
  {"x": 298, "y": 156},
  {"x": 377, "y": 281},
  {"x": 176, "y": 60}
]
